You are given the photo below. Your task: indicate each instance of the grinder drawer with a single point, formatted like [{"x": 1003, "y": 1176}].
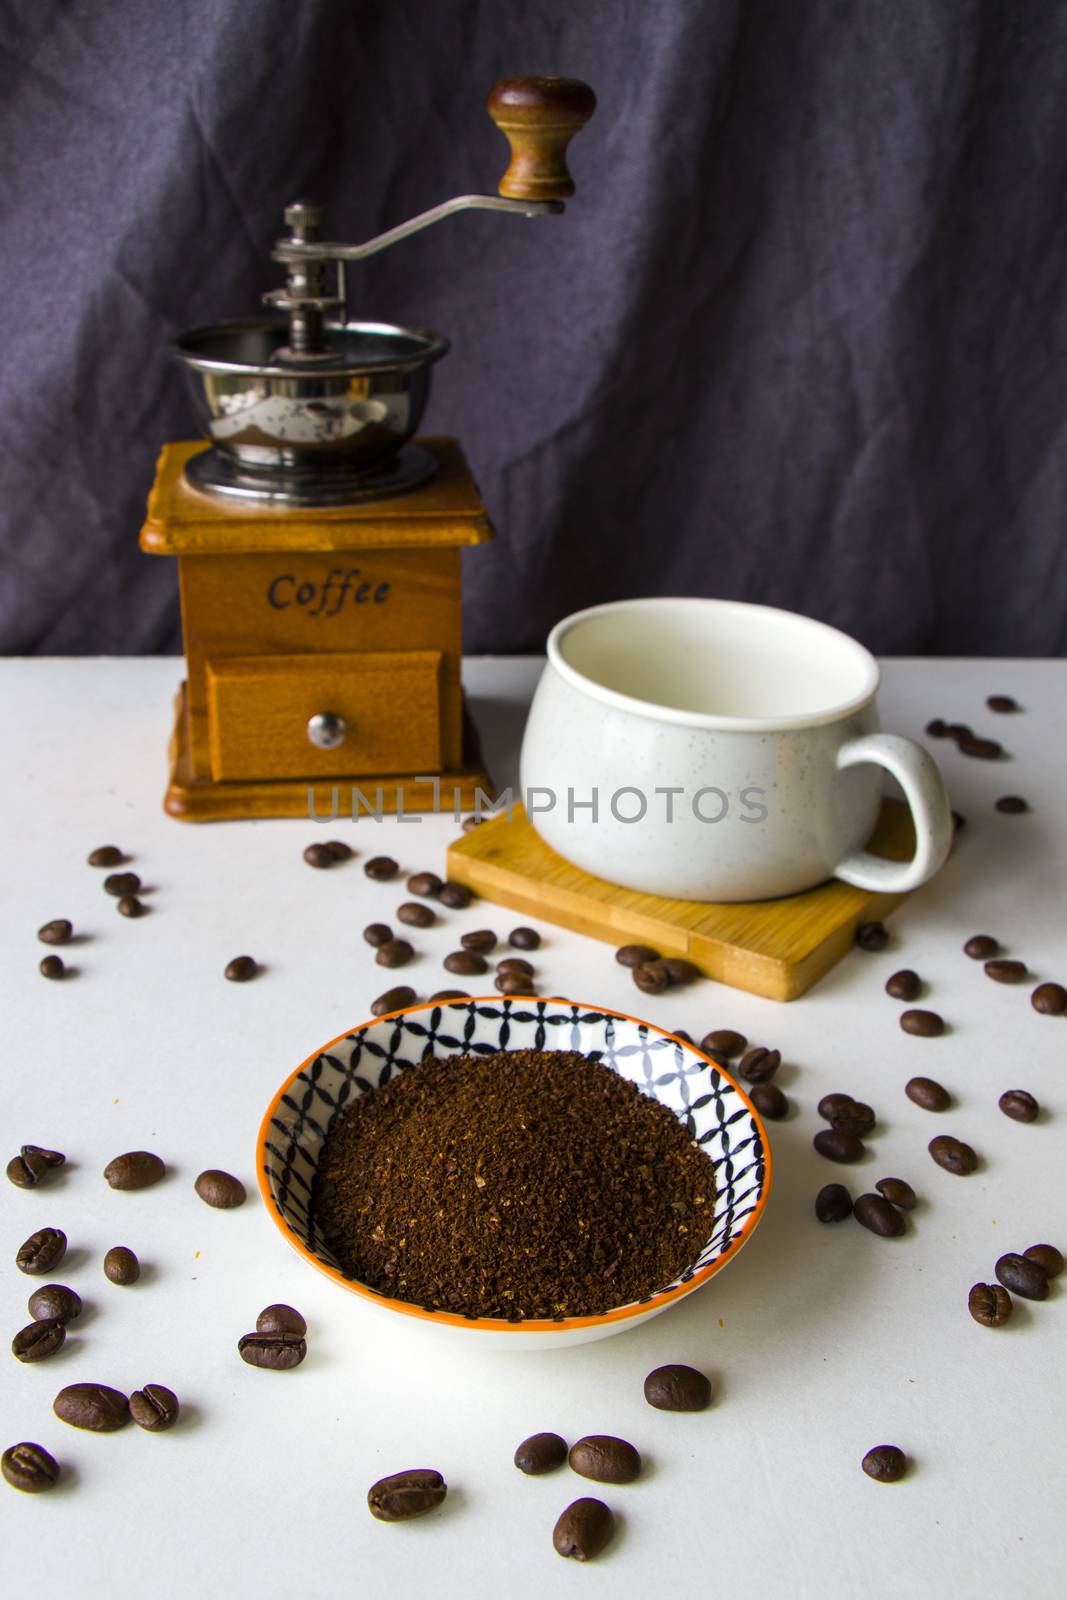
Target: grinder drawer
[{"x": 323, "y": 716}]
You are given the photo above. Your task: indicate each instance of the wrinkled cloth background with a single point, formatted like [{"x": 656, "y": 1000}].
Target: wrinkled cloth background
[{"x": 801, "y": 338}]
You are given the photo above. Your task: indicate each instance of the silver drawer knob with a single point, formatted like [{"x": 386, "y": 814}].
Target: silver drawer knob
[{"x": 327, "y": 730}]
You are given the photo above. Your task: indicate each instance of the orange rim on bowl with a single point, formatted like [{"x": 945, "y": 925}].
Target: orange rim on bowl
[{"x": 500, "y": 1324}]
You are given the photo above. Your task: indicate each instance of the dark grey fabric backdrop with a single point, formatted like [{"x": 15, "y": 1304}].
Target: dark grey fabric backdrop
[{"x": 800, "y": 338}]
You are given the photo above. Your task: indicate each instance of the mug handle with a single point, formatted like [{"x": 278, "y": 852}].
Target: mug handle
[{"x": 918, "y": 775}]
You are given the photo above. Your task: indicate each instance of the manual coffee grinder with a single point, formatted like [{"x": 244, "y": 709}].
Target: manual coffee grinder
[{"x": 318, "y": 540}]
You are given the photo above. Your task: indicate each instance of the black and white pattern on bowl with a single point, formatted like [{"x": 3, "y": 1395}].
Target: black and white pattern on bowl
[{"x": 715, "y": 1113}]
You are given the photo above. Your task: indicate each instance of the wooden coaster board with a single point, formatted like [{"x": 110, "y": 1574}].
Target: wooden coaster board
[{"x": 775, "y": 948}]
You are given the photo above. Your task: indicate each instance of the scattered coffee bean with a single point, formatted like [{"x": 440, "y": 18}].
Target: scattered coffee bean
[
  {"x": 923, "y": 1024},
  {"x": 414, "y": 915},
  {"x": 339, "y": 850},
  {"x": 37, "y": 1152},
  {"x": 482, "y": 940},
  {"x": 154, "y": 1408},
  {"x": 470, "y": 823},
  {"x": 120, "y": 883},
  {"x": 937, "y": 729},
  {"x": 872, "y": 935},
  {"x": 105, "y": 855},
  {"x": 514, "y": 983},
  {"x": 833, "y": 1203},
  {"x": 981, "y": 749},
  {"x": 52, "y": 967},
  {"x": 394, "y": 953},
  {"x": 959, "y": 730},
  {"x": 515, "y": 964},
  {"x": 220, "y": 1189},
  {"x": 605, "y": 1458},
  {"x": 275, "y": 1352},
  {"x": 903, "y": 985},
  {"x": 377, "y": 933},
  {"x": 241, "y": 969},
  {"x": 583, "y": 1530},
  {"x": 456, "y": 896},
  {"x": 524, "y": 939},
  {"x": 769, "y": 1101},
  {"x": 1050, "y": 999},
  {"x": 724, "y": 1042},
  {"x": 1011, "y": 805},
  {"x": 42, "y": 1251},
  {"x": 831, "y": 1104},
  {"x": 1002, "y": 702},
  {"x": 55, "y": 1302},
  {"x": 759, "y": 1065},
  {"x": 393, "y": 1000},
  {"x": 404, "y": 1495},
  {"x": 989, "y": 1304},
  {"x": 465, "y": 963},
  {"x": 678, "y": 1388},
  {"x": 953, "y": 1154},
  {"x": 898, "y": 1193},
  {"x": 427, "y": 885},
  {"x": 856, "y": 1117},
  {"x": 381, "y": 868},
  {"x": 927, "y": 1093},
  {"x": 886, "y": 1463},
  {"x": 121, "y": 1266},
  {"x": 679, "y": 970},
  {"x": 540, "y": 1453},
  {"x": 651, "y": 977},
  {"x": 981, "y": 946},
  {"x": 1006, "y": 971},
  {"x": 58, "y": 931},
  {"x": 959, "y": 822},
  {"x": 39, "y": 1340},
  {"x": 837, "y": 1146},
  {"x": 134, "y": 1170},
  {"x": 876, "y": 1214},
  {"x": 635, "y": 955},
  {"x": 26, "y": 1171},
  {"x": 450, "y": 994},
  {"x": 319, "y": 855},
  {"x": 1048, "y": 1258},
  {"x": 29, "y": 1467},
  {"x": 1019, "y": 1105},
  {"x": 1023, "y": 1276},
  {"x": 130, "y": 906},
  {"x": 93, "y": 1406},
  {"x": 281, "y": 1318}
]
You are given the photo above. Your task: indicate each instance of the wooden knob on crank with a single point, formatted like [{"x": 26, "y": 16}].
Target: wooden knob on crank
[{"x": 539, "y": 117}]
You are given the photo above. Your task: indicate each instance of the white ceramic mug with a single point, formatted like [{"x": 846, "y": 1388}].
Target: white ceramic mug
[{"x": 713, "y": 750}]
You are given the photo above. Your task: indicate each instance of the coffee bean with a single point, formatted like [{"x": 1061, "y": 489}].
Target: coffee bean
[
  {"x": 937, "y": 729},
  {"x": 903, "y": 985},
  {"x": 1047, "y": 1257},
  {"x": 281, "y": 1318},
  {"x": 130, "y": 906},
  {"x": 856, "y": 1118},
  {"x": 724, "y": 1042},
  {"x": 465, "y": 963},
  {"x": 29, "y": 1467},
  {"x": 605, "y": 1458},
  {"x": 927, "y": 1093},
  {"x": 134, "y": 1170},
  {"x": 26, "y": 1171},
  {"x": 540, "y": 1453},
  {"x": 154, "y": 1408},
  {"x": 837, "y": 1146},
  {"x": 1006, "y": 971},
  {"x": 427, "y": 885},
  {"x": 52, "y": 967},
  {"x": 450, "y": 994},
  {"x": 982, "y": 749},
  {"x": 1011, "y": 805},
  {"x": 404, "y": 1495},
  {"x": 759, "y": 1065},
  {"x": 276, "y": 1352},
  {"x": 93, "y": 1406},
  {"x": 319, "y": 855},
  {"x": 58, "y": 931},
  {"x": 959, "y": 822},
  {"x": 241, "y": 969},
  {"x": 831, "y": 1104},
  {"x": 953, "y": 1154},
  {"x": 769, "y": 1101},
  {"x": 583, "y": 1530},
  {"x": 1023, "y": 1276},
  {"x": 456, "y": 896},
  {"x": 1050, "y": 999},
  {"x": 514, "y": 983},
  {"x": 886, "y": 1463},
  {"x": 39, "y": 1340},
  {"x": 482, "y": 940},
  {"x": 515, "y": 964},
  {"x": 678, "y": 1388},
  {"x": 679, "y": 970},
  {"x": 120, "y": 883},
  {"x": 874, "y": 1212},
  {"x": 55, "y": 1302},
  {"x": 42, "y": 1251},
  {"x": 393, "y": 1000},
  {"x": 121, "y": 1266},
  {"x": 635, "y": 955},
  {"x": 524, "y": 939},
  {"x": 981, "y": 946},
  {"x": 1019, "y": 1105},
  {"x": 959, "y": 730},
  {"x": 415, "y": 915},
  {"x": 1002, "y": 702},
  {"x": 377, "y": 933},
  {"x": 651, "y": 977},
  {"x": 220, "y": 1189},
  {"x": 394, "y": 953},
  {"x": 989, "y": 1304},
  {"x": 899, "y": 1193},
  {"x": 381, "y": 868},
  {"x": 872, "y": 935},
  {"x": 470, "y": 823},
  {"x": 105, "y": 855},
  {"x": 833, "y": 1203},
  {"x": 923, "y": 1024},
  {"x": 37, "y": 1152}
]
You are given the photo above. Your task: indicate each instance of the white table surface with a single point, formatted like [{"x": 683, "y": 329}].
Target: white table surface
[{"x": 821, "y": 1341}]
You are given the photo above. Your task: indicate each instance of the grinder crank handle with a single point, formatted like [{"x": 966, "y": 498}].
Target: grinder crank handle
[{"x": 539, "y": 117}]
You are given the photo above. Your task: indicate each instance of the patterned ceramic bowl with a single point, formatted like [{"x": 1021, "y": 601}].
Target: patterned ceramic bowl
[{"x": 714, "y": 1109}]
